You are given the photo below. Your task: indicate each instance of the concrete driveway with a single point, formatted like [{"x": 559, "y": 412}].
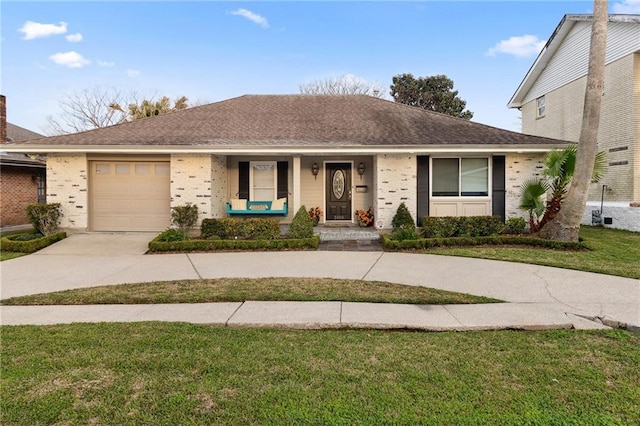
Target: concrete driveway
[{"x": 87, "y": 260}]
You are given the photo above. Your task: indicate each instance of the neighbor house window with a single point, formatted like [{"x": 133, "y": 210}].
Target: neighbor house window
[
  {"x": 540, "y": 103},
  {"x": 460, "y": 177},
  {"x": 263, "y": 181}
]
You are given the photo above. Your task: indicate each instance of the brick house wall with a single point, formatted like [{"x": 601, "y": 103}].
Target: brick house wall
[
  {"x": 18, "y": 189},
  {"x": 618, "y": 135},
  {"x": 67, "y": 184}
]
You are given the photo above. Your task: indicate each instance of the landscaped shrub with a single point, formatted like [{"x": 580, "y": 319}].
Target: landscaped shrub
[
  {"x": 13, "y": 244},
  {"x": 480, "y": 226},
  {"x": 301, "y": 225},
  {"x": 45, "y": 218},
  {"x": 459, "y": 226},
  {"x": 218, "y": 244},
  {"x": 403, "y": 219},
  {"x": 440, "y": 227},
  {"x": 403, "y": 234},
  {"x": 231, "y": 228},
  {"x": 184, "y": 217},
  {"x": 514, "y": 225},
  {"x": 425, "y": 243},
  {"x": 26, "y": 236},
  {"x": 172, "y": 234}
]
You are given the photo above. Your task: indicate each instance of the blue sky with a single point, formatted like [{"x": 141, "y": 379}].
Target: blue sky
[{"x": 211, "y": 51}]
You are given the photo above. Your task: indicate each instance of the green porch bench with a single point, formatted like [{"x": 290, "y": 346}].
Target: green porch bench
[{"x": 244, "y": 207}]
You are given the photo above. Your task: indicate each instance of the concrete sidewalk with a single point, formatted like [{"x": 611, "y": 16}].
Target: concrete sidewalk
[
  {"x": 313, "y": 315},
  {"x": 538, "y": 296}
]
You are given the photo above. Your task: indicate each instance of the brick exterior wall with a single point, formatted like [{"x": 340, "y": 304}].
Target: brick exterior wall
[
  {"x": 619, "y": 132},
  {"x": 18, "y": 189},
  {"x": 199, "y": 180},
  {"x": 67, "y": 184},
  {"x": 519, "y": 169},
  {"x": 395, "y": 182}
]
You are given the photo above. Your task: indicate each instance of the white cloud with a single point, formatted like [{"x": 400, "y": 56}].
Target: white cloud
[
  {"x": 33, "y": 30},
  {"x": 627, "y": 6},
  {"x": 74, "y": 38},
  {"x": 253, "y": 17},
  {"x": 519, "y": 46},
  {"x": 70, "y": 59},
  {"x": 105, "y": 63},
  {"x": 133, "y": 73}
]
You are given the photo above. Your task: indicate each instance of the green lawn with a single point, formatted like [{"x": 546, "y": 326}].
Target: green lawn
[
  {"x": 169, "y": 374},
  {"x": 613, "y": 252},
  {"x": 241, "y": 289}
]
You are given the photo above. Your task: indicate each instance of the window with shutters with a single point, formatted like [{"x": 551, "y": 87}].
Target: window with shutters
[
  {"x": 460, "y": 177},
  {"x": 263, "y": 180}
]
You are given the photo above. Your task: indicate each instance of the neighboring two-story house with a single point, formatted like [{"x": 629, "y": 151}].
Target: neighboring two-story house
[{"x": 551, "y": 98}]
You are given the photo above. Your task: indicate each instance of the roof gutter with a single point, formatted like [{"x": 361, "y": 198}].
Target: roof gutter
[{"x": 302, "y": 151}]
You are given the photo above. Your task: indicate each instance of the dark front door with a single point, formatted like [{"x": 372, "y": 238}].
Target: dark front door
[{"x": 338, "y": 191}]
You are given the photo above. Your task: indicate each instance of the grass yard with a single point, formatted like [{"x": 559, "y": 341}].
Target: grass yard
[
  {"x": 168, "y": 374},
  {"x": 613, "y": 252},
  {"x": 241, "y": 289}
]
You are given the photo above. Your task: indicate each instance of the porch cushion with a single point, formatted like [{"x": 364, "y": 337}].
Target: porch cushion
[
  {"x": 237, "y": 204},
  {"x": 278, "y": 204}
]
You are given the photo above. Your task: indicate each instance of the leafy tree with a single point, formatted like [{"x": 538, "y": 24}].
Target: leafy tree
[
  {"x": 347, "y": 84},
  {"x": 566, "y": 225},
  {"x": 434, "y": 93},
  {"x": 150, "y": 108}
]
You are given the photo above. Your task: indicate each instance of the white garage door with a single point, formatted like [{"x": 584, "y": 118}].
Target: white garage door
[{"x": 130, "y": 196}]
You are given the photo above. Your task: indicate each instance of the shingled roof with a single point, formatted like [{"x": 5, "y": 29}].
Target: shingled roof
[
  {"x": 17, "y": 133},
  {"x": 261, "y": 121}
]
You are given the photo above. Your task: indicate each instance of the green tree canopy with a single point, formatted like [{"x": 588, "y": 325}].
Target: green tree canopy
[
  {"x": 433, "y": 93},
  {"x": 149, "y": 108}
]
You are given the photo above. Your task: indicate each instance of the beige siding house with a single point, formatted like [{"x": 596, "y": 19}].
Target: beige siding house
[
  {"x": 339, "y": 153},
  {"x": 551, "y": 98}
]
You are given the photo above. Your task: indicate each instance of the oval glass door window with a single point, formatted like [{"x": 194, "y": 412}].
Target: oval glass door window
[{"x": 338, "y": 184}]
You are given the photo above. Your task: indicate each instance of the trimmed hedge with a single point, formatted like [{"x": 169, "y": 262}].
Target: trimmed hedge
[
  {"x": 216, "y": 244},
  {"x": 247, "y": 229},
  {"x": 10, "y": 242},
  {"x": 425, "y": 243},
  {"x": 461, "y": 226}
]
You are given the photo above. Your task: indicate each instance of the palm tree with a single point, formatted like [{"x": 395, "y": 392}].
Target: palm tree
[
  {"x": 566, "y": 225},
  {"x": 531, "y": 201},
  {"x": 559, "y": 167}
]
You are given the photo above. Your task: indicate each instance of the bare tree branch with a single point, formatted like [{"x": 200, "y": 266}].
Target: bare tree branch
[{"x": 347, "y": 84}]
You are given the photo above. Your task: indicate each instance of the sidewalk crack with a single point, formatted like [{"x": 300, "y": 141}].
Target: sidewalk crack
[
  {"x": 364, "y": 277},
  {"x": 453, "y": 316},
  {"x": 226, "y": 323},
  {"x": 194, "y": 267}
]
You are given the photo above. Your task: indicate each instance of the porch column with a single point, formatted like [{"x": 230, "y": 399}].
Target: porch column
[{"x": 296, "y": 185}]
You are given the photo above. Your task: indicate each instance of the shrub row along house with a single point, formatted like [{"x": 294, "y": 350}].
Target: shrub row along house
[
  {"x": 337, "y": 152},
  {"x": 22, "y": 178},
  {"x": 551, "y": 98}
]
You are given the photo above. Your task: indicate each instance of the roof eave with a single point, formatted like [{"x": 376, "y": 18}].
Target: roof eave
[{"x": 280, "y": 150}]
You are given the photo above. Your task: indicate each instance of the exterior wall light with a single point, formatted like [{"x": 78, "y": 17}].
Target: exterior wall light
[
  {"x": 315, "y": 169},
  {"x": 361, "y": 169}
]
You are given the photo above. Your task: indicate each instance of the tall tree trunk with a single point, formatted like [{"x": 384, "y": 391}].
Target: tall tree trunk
[{"x": 566, "y": 225}]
